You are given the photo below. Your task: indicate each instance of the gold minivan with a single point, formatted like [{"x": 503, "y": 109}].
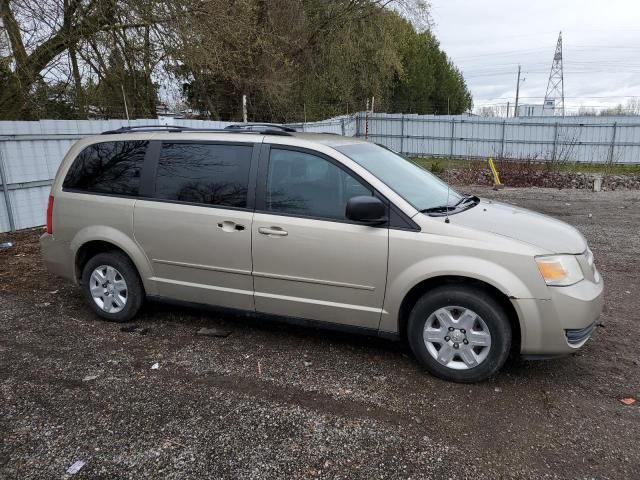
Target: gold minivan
[{"x": 318, "y": 228}]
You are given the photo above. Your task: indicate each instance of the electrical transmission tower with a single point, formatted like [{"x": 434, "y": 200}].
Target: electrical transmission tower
[{"x": 554, "y": 98}]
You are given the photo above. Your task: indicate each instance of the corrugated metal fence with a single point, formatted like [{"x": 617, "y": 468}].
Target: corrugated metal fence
[
  {"x": 572, "y": 139},
  {"x": 30, "y": 152}
]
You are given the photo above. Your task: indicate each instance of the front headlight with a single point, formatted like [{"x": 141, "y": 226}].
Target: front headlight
[{"x": 559, "y": 270}]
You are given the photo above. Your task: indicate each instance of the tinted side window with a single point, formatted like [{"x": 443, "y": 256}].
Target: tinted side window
[
  {"x": 304, "y": 184},
  {"x": 204, "y": 173},
  {"x": 109, "y": 167}
]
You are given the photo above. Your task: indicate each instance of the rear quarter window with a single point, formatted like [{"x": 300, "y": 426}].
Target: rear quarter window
[{"x": 108, "y": 168}]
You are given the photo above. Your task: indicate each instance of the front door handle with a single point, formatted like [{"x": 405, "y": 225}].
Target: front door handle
[
  {"x": 273, "y": 231},
  {"x": 229, "y": 226}
]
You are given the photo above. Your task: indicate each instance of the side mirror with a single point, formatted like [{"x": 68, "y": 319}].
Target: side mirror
[{"x": 367, "y": 210}]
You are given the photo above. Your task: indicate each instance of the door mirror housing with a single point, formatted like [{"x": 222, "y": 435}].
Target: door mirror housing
[{"x": 366, "y": 209}]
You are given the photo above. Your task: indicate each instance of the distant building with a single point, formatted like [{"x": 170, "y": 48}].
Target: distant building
[
  {"x": 535, "y": 110},
  {"x": 549, "y": 107}
]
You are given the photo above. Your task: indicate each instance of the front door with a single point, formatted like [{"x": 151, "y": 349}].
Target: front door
[
  {"x": 196, "y": 228},
  {"x": 309, "y": 261}
]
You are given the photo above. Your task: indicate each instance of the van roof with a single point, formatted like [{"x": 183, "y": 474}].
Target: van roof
[{"x": 329, "y": 139}]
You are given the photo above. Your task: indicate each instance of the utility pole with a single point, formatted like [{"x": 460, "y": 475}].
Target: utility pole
[
  {"x": 124, "y": 98},
  {"x": 366, "y": 120},
  {"x": 515, "y": 112},
  {"x": 244, "y": 108},
  {"x": 554, "y": 98}
]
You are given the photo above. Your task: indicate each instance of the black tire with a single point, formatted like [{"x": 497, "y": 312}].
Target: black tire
[
  {"x": 126, "y": 268},
  {"x": 480, "y": 302}
]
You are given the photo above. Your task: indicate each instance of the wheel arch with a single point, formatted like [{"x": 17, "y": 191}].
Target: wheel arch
[
  {"x": 88, "y": 243},
  {"x": 426, "y": 285}
]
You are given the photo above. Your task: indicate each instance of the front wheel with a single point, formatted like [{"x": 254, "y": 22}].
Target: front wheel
[
  {"x": 112, "y": 287},
  {"x": 459, "y": 333}
]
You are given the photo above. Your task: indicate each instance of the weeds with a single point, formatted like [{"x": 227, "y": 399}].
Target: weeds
[
  {"x": 436, "y": 168},
  {"x": 610, "y": 168},
  {"x": 531, "y": 172}
]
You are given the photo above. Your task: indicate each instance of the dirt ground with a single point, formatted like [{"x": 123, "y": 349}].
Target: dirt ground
[{"x": 276, "y": 401}]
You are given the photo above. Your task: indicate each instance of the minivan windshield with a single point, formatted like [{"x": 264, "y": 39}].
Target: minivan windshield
[{"x": 416, "y": 185}]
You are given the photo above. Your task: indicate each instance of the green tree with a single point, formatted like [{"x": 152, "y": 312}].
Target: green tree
[
  {"x": 117, "y": 82},
  {"x": 53, "y": 101},
  {"x": 429, "y": 82},
  {"x": 355, "y": 61},
  {"x": 292, "y": 58}
]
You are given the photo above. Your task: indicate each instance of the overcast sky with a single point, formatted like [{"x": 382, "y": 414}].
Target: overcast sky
[{"x": 487, "y": 39}]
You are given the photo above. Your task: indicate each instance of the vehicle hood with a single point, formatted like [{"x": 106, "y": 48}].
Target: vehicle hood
[{"x": 523, "y": 225}]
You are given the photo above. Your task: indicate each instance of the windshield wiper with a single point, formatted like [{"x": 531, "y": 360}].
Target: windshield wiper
[
  {"x": 442, "y": 210},
  {"x": 467, "y": 198}
]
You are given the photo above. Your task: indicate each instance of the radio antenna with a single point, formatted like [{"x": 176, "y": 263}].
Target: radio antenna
[{"x": 446, "y": 220}]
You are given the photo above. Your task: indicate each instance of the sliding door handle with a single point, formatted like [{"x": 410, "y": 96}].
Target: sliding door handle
[{"x": 273, "y": 231}]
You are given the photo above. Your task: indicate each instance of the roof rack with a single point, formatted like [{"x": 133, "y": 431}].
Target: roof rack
[
  {"x": 260, "y": 128},
  {"x": 147, "y": 128}
]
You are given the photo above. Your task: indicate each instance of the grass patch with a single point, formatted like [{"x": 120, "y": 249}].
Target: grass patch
[{"x": 442, "y": 164}]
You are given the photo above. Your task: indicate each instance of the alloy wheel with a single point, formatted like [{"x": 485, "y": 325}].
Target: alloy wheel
[
  {"x": 457, "y": 337},
  {"x": 108, "y": 289}
]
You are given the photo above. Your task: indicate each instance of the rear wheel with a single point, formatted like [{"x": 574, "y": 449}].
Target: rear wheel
[
  {"x": 459, "y": 333},
  {"x": 112, "y": 287}
]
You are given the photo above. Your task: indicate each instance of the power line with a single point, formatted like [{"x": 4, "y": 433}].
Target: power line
[
  {"x": 582, "y": 96},
  {"x": 510, "y": 53},
  {"x": 572, "y": 72}
]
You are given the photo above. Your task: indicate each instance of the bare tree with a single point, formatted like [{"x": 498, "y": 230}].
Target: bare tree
[
  {"x": 43, "y": 36},
  {"x": 83, "y": 53},
  {"x": 633, "y": 106}
]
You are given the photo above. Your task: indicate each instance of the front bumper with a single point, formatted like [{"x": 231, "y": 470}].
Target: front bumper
[{"x": 564, "y": 322}]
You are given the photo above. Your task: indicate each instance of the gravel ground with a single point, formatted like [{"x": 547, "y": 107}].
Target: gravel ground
[{"x": 275, "y": 401}]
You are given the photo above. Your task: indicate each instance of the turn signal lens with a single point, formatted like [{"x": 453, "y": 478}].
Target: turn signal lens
[
  {"x": 559, "y": 270},
  {"x": 552, "y": 271}
]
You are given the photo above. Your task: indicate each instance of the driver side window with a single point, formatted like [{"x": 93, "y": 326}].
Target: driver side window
[{"x": 300, "y": 183}]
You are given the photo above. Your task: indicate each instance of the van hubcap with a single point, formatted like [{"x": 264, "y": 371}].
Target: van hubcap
[
  {"x": 457, "y": 337},
  {"x": 108, "y": 289}
]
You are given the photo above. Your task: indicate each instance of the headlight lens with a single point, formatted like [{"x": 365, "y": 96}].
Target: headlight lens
[{"x": 559, "y": 270}]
